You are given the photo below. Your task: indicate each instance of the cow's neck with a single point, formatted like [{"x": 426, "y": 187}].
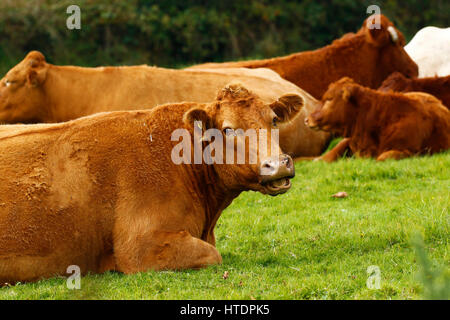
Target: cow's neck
[
  {"x": 348, "y": 57},
  {"x": 371, "y": 110},
  {"x": 70, "y": 94},
  {"x": 204, "y": 183}
]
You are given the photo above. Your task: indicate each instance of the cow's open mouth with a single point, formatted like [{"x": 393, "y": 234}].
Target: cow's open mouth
[{"x": 279, "y": 186}]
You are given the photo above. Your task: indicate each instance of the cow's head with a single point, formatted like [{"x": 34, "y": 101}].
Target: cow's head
[
  {"x": 22, "y": 98},
  {"x": 385, "y": 46},
  {"x": 337, "y": 110},
  {"x": 235, "y": 112}
]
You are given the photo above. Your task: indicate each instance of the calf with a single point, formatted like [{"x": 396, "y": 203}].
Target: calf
[
  {"x": 35, "y": 91},
  {"x": 368, "y": 56},
  {"x": 381, "y": 125},
  {"x": 105, "y": 193},
  {"x": 430, "y": 49},
  {"x": 436, "y": 86}
]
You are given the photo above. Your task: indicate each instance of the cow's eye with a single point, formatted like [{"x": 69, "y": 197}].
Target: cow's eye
[
  {"x": 8, "y": 83},
  {"x": 229, "y": 131},
  {"x": 275, "y": 121}
]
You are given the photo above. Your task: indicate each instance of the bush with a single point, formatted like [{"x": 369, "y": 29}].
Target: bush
[{"x": 181, "y": 32}]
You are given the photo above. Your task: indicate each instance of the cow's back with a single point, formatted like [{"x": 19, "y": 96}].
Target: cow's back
[
  {"x": 436, "y": 86},
  {"x": 141, "y": 87},
  {"x": 265, "y": 83}
]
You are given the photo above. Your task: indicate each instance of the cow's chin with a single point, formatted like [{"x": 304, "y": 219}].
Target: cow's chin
[{"x": 276, "y": 187}]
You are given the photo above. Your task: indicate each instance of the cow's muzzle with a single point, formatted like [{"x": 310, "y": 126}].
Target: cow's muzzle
[{"x": 276, "y": 174}]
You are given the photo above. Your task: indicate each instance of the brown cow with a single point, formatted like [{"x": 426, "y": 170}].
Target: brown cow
[
  {"x": 35, "y": 91},
  {"x": 368, "y": 56},
  {"x": 381, "y": 125},
  {"x": 104, "y": 193},
  {"x": 436, "y": 86}
]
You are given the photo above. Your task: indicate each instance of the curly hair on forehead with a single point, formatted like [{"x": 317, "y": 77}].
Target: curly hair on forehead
[{"x": 235, "y": 91}]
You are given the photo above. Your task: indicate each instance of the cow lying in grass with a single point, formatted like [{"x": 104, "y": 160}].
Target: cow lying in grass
[
  {"x": 368, "y": 56},
  {"x": 35, "y": 91},
  {"x": 436, "y": 86},
  {"x": 381, "y": 125},
  {"x": 103, "y": 192}
]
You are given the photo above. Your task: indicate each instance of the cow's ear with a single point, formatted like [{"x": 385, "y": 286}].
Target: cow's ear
[
  {"x": 36, "y": 68},
  {"x": 287, "y": 106},
  {"x": 35, "y": 57},
  {"x": 379, "y": 31},
  {"x": 197, "y": 114},
  {"x": 36, "y": 77},
  {"x": 348, "y": 92}
]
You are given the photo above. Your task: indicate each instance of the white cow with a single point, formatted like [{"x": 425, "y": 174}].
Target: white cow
[{"x": 430, "y": 49}]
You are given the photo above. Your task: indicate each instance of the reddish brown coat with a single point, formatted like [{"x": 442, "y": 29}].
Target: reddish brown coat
[
  {"x": 368, "y": 57},
  {"x": 436, "y": 86},
  {"x": 382, "y": 125}
]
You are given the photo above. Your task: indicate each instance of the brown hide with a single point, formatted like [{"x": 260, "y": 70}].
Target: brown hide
[
  {"x": 436, "y": 86},
  {"x": 368, "y": 57},
  {"x": 103, "y": 193},
  {"x": 382, "y": 125}
]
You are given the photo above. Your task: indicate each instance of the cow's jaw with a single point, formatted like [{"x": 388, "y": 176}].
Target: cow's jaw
[{"x": 279, "y": 186}]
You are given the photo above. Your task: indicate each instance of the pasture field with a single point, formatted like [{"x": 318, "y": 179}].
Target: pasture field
[{"x": 306, "y": 244}]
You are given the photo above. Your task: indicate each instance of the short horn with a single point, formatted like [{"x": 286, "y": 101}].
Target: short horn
[{"x": 393, "y": 33}]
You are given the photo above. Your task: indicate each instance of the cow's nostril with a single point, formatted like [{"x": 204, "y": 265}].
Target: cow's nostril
[
  {"x": 287, "y": 161},
  {"x": 269, "y": 167}
]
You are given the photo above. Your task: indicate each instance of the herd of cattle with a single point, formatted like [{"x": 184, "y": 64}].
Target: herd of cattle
[{"x": 87, "y": 181}]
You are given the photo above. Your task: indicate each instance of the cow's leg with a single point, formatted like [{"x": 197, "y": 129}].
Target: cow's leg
[
  {"x": 162, "y": 250},
  {"x": 335, "y": 153},
  {"x": 394, "y": 154}
]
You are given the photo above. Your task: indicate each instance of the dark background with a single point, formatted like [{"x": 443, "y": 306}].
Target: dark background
[{"x": 177, "y": 33}]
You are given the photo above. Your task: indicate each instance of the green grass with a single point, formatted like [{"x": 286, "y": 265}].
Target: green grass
[{"x": 306, "y": 244}]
